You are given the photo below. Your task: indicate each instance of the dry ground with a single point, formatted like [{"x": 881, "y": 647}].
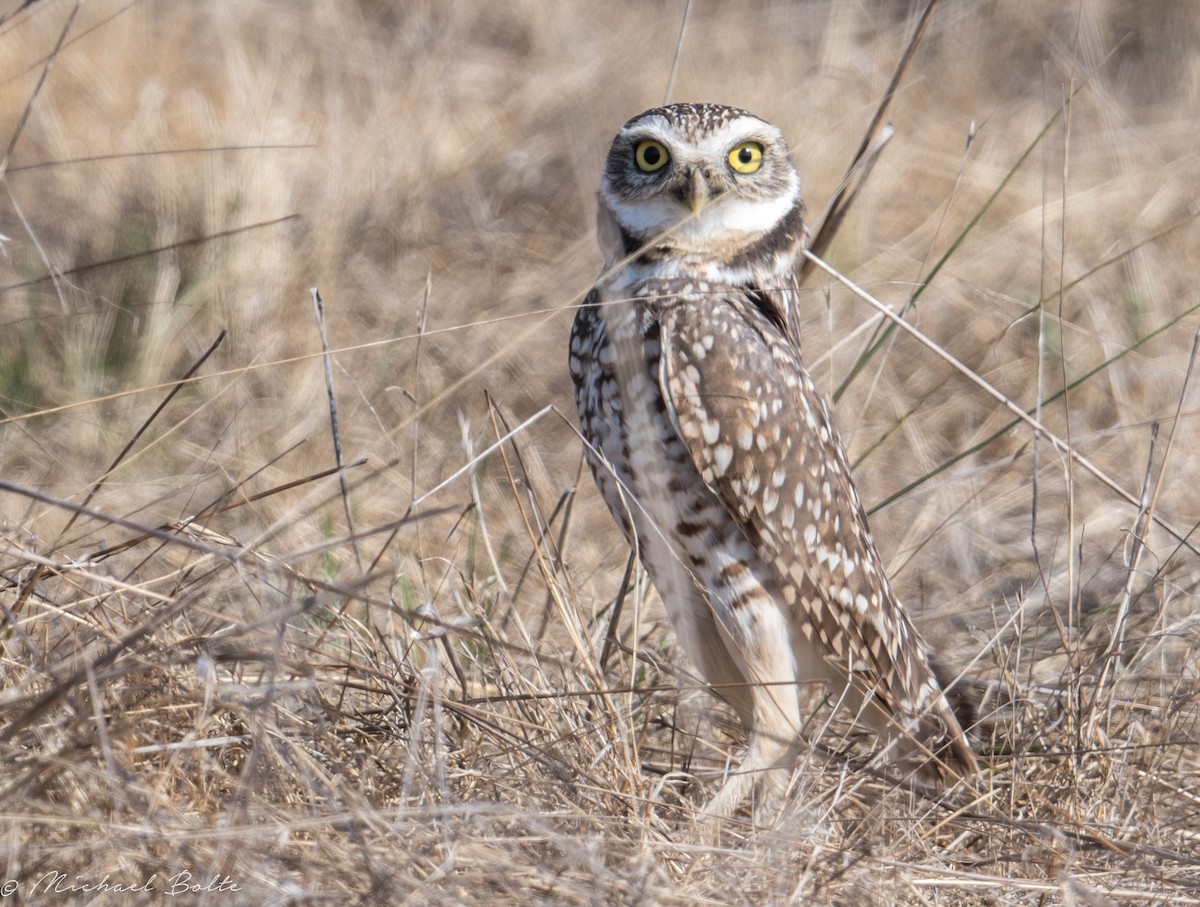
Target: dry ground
[{"x": 218, "y": 662}]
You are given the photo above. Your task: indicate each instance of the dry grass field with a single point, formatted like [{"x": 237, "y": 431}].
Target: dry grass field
[{"x": 225, "y": 665}]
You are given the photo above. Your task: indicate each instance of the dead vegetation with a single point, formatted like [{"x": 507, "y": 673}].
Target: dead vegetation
[{"x": 223, "y": 668}]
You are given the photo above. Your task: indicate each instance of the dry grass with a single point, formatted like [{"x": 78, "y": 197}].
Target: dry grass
[{"x": 218, "y": 667}]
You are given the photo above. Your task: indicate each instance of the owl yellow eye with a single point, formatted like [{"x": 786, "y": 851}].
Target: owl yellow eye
[
  {"x": 746, "y": 157},
  {"x": 650, "y": 156}
]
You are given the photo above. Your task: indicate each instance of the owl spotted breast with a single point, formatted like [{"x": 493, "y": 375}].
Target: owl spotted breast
[{"x": 718, "y": 458}]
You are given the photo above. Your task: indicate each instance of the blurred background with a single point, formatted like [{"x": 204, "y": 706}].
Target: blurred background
[
  {"x": 177, "y": 170},
  {"x": 433, "y": 166}
]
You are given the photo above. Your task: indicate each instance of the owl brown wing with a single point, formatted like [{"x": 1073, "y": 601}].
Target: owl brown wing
[{"x": 763, "y": 440}]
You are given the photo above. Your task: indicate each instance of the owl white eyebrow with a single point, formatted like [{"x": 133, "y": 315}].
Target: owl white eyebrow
[
  {"x": 707, "y": 147},
  {"x": 715, "y": 145},
  {"x": 655, "y": 128}
]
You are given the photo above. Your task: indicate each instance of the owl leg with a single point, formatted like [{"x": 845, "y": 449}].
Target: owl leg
[
  {"x": 762, "y": 777},
  {"x": 758, "y": 633}
]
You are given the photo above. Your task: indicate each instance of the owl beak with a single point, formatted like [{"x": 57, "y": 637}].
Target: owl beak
[{"x": 697, "y": 195}]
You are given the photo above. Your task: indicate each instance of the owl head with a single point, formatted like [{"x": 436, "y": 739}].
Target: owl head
[{"x": 696, "y": 179}]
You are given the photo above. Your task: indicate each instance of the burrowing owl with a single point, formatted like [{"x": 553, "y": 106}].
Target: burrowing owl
[{"x": 718, "y": 457}]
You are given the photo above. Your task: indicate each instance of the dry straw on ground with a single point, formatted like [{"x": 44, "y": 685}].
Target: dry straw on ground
[{"x": 217, "y": 662}]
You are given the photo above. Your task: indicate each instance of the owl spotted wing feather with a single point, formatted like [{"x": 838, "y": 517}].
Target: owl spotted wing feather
[{"x": 763, "y": 441}]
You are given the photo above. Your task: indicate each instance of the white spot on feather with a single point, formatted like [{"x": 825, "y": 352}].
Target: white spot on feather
[{"x": 770, "y": 501}]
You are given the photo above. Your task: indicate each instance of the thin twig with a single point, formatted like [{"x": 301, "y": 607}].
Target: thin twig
[
  {"x": 50, "y": 60},
  {"x": 610, "y": 635},
  {"x": 165, "y": 152},
  {"x": 1137, "y": 544},
  {"x": 135, "y": 256},
  {"x": 1140, "y": 528},
  {"x": 223, "y": 505},
  {"x": 687, "y": 13},
  {"x": 319, "y": 307}
]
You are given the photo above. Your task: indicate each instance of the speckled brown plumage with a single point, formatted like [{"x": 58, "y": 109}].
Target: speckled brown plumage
[{"x": 718, "y": 457}]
